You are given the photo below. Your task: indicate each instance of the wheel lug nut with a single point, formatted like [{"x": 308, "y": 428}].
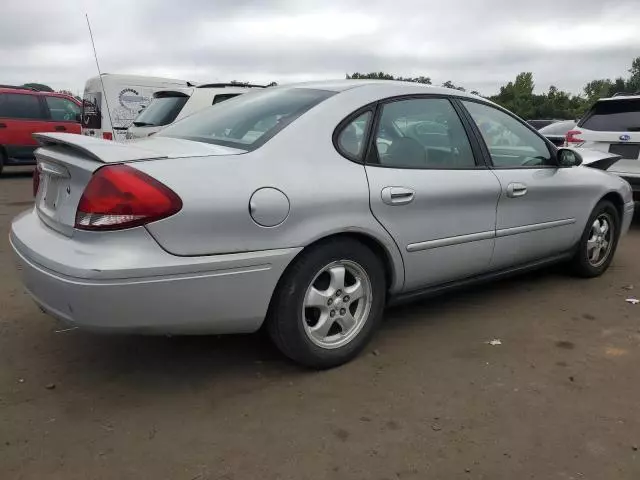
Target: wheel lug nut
[
  {"x": 330, "y": 301},
  {"x": 346, "y": 298},
  {"x": 332, "y": 313},
  {"x": 338, "y": 293},
  {"x": 343, "y": 311}
]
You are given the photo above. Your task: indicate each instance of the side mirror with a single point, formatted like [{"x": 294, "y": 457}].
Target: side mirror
[
  {"x": 568, "y": 158},
  {"x": 78, "y": 118}
]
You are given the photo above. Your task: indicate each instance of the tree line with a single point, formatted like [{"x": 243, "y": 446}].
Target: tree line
[{"x": 519, "y": 97}]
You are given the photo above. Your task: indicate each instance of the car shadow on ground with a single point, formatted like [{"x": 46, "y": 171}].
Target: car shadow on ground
[
  {"x": 22, "y": 172},
  {"x": 157, "y": 363}
]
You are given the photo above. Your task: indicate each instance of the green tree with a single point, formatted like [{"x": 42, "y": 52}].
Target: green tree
[
  {"x": 450, "y": 84},
  {"x": 633, "y": 83},
  {"x": 39, "y": 86},
  {"x": 388, "y": 76}
]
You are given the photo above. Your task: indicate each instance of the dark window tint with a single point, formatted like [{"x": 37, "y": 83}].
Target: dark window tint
[
  {"x": 614, "y": 116},
  {"x": 16, "y": 105},
  {"x": 62, "y": 109},
  {"x": 222, "y": 97},
  {"x": 511, "y": 143},
  {"x": 249, "y": 120},
  {"x": 352, "y": 136},
  {"x": 161, "y": 111},
  {"x": 422, "y": 133},
  {"x": 92, "y": 110}
]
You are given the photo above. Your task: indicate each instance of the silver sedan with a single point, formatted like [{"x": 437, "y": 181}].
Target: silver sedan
[{"x": 306, "y": 209}]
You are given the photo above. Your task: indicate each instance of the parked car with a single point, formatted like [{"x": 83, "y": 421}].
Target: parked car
[
  {"x": 171, "y": 105},
  {"x": 613, "y": 125},
  {"x": 557, "y": 132},
  {"x": 111, "y": 102},
  {"x": 277, "y": 208},
  {"x": 538, "y": 124},
  {"x": 24, "y": 111}
]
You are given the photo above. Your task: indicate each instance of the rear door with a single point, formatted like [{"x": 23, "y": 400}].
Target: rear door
[
  {"x": 21, "y": 115},
  {"x": 431, "y": 191},
  {"x": 539, "y": 202},
  {"x": 62, "y": 114},
  {"x": 614, "y": 126}
]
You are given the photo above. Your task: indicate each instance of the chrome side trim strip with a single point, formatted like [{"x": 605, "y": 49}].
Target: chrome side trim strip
[
  {"x": 505, "y": 232},
  {"x": 446, "y": 242}
]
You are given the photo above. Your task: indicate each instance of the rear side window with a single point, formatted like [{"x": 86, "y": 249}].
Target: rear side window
[
  {"x": 613, "y": 116},
  {"x": 248, "y": 121},
  {"x": 16, "y": 105},
  {"x": 351, "y": 138},
  {"x": 161, "y": 111},
  {"x": 222, "y": 97},
  {"x": 62, "y": 109}
]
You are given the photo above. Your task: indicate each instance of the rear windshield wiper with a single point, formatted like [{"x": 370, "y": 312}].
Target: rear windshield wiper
[{"x": 143, "y": 124}]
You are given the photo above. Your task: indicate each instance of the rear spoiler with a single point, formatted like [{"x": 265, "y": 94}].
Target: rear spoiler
[{"x": 103, "y": 151}]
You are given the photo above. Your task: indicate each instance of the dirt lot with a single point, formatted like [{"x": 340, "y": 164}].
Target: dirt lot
[{"x": 429, "y": 399}]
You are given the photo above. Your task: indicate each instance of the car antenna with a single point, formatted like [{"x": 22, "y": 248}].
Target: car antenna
[{"x": 104, "y": 92}]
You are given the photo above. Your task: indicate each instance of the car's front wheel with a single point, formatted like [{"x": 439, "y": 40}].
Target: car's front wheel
[
  {"x": 328, "y": 304},
  {"x": 598, "y": 242}
]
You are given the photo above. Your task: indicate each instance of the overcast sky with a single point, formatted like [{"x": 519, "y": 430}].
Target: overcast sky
[{"x": 479, "y": 44}]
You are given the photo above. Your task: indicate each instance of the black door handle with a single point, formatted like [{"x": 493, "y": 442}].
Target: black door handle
[
  {"x": 3, "y": 125},
  {"x": 60, "y": 128}
]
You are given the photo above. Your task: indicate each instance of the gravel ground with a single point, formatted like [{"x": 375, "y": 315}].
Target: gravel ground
[{"x": 430, "y": 398}]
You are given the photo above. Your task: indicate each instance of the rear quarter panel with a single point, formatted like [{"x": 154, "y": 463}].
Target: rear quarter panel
[{"x": 328, "y": 194}]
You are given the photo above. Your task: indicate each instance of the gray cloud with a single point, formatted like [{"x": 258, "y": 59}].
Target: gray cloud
[{"x": 477, "y": 44}]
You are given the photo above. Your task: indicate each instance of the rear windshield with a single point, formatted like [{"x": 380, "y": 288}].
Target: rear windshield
[
  {"x": 247, "y": 121},
  {"x": 161, "y": 111},
  {"x": 614, "y": 116}
]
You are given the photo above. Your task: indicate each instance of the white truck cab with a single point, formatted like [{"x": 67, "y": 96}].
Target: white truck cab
[
  {"x": 173, "y": 104},
  {"x": 111, "y": 102}
]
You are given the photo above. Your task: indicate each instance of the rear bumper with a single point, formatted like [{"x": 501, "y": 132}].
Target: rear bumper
[{"x": 127, "y": 283}]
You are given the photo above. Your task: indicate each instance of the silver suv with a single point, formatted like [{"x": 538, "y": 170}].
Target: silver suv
[{"x": 613, "y": 125}]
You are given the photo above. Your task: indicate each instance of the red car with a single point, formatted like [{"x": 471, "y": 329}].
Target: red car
[{"x": 24, "y": 111}]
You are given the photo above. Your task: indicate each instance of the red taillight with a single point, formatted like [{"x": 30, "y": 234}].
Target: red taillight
[
  {"x": 572, "y": 137},
  {"x": 107, "y": 135},
  {"x": 36, "y": 181},
  {"x": 120, "y": 197}
]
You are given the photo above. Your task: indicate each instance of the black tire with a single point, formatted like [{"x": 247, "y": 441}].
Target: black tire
[
  {"x": 2, "y": 159},
  {"x": 285, "y": 323},
  {"x": 581, "y": 265}
]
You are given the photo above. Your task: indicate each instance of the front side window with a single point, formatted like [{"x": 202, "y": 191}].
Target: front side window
[
  {"x": 510, "y": 143},
  {"x": 18, "y": 105},
  {"x": 351, "y": 138},
  {"x": 161, "y": 111},
  {"x": 62, "y": 109},
  {"x": 422, "y": 133},
  {"x": 614, "y": 116},
  {"x": 249, "y": 120}
]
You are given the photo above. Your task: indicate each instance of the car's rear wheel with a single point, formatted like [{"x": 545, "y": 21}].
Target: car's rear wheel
[
  {"x": 328, "y": 304},
  {"x": 598, "y": 242}
]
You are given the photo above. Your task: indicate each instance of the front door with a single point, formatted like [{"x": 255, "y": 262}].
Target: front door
[
  {"x": 539, "y": 205},
  {"x": 431, "y": 191}
]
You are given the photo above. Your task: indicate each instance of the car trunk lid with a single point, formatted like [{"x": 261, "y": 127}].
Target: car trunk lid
[{"x": 66, "y": 163}]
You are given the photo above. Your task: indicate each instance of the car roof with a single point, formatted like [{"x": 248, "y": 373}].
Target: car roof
[
  {"x": 390, "y": 87},
  {"x": 32, "y": 91},
  {"x": 620, "y": 98}
]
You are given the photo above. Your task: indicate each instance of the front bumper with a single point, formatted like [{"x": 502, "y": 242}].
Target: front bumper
[
  {"x": 627, "y": 217},
  {"x": 124, "y": 282}
]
